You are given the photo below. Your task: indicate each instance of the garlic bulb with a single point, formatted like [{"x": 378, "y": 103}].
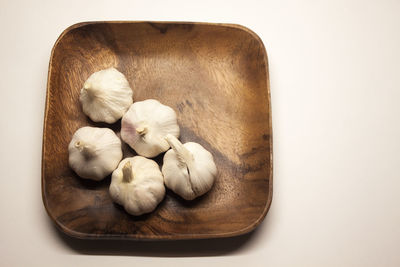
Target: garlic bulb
[
  {"x": 94, "y": 152},
  {"x": 145, "y": 125},
  {"x": 137, "y": 184},
  {"x": 106, "y": 96},
  {"x": 189, "y": 169}
]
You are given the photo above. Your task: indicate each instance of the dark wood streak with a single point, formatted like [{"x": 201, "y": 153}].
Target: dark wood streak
[
  {"x": 161, "y": 27},
  {"x": 215, "y": 76}
]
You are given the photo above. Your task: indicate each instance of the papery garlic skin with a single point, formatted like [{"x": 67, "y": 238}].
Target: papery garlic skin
[
  {"x": 94, "y": 152},
  {"x": 145, "y": 125},
  {"x": 106, "y": 96},
  {"x": 189, "y": 169},
  {"x": 137, "y": 184}
]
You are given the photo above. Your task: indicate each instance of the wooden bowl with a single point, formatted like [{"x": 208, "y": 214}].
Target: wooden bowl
[{"x": 215, "y": 76}]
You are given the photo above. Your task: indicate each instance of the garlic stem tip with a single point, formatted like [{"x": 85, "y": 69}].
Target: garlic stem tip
[
  {"x": 127, "y": 173},
  {"x": 128, "y": 165},
  {"x": 89, "y": 151},
  {"x": 183, "y": 153},
  {"x": 141, "y": 130},
  {"x": 169, "y": 136}
]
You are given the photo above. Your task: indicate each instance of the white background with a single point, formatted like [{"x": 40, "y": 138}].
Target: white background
[{"x": 335, "y": 86}]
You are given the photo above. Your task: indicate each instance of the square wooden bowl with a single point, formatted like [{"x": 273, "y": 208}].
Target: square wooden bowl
[{"x": 215, "y": 76}]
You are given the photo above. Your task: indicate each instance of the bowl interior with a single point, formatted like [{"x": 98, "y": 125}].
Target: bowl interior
[{"x": 216, "y": 79}]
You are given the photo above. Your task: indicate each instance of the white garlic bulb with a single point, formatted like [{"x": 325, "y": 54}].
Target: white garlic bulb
[
  {"x": 189, "y": 169},
  {"x": 145, "y": 125},
  {"x": 137, "y": 184},
  {"x": 106, "y": 96},
  {"x": 94, "y": 152}
]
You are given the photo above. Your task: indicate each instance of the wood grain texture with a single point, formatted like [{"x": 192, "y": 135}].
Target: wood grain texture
[{"x": 215, "y": 76}]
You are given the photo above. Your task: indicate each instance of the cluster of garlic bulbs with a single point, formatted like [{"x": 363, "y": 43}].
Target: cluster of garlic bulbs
[{"x": 148, "y": 127}]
